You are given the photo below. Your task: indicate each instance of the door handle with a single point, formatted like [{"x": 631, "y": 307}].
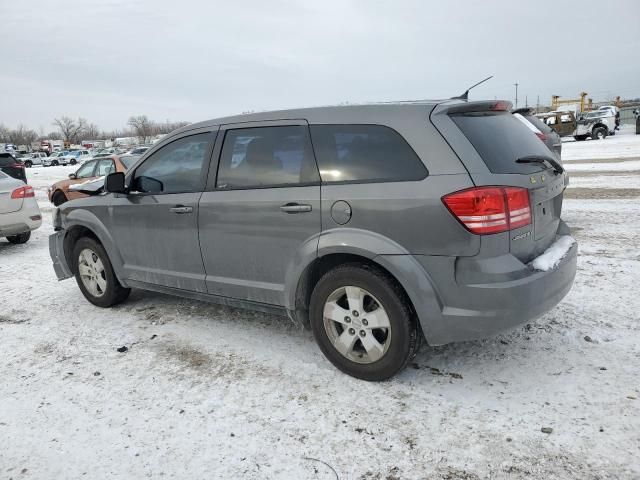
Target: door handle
[
  {"x": 181, "y": 209},
  {"x": 295, "y": 208}
]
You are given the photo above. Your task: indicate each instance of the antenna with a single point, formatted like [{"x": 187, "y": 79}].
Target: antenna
[{"x": 465, "y": 95}]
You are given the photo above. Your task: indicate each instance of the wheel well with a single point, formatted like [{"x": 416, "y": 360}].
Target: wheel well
[
  {"x": 321, "y": 265},
  {"x": 74, "y": 234}
]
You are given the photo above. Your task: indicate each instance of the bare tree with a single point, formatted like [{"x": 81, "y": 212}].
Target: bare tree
[
  {"x": 4, "y": 134},
  {"x": 92, "y": 132},
  {"x": 142, "y": 127},
  {"x": 22, "y": 136},
  {"x": 70, "y": 128}
]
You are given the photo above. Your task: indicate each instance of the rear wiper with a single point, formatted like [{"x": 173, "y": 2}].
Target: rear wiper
[{"x": 557, "y": 168}]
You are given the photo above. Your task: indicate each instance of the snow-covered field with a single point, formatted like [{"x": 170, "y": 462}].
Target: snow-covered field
[{"x": 211, "y": 392}]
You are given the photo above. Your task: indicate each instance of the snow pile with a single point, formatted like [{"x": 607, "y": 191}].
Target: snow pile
[{"x": 552, "y": 255}]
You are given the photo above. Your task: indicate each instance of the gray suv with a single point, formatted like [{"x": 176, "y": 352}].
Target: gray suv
[{"x": 375, "y": 225}]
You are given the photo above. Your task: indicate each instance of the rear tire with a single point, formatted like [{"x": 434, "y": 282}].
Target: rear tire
[
  {"x": 94, "y": 274},
  {"x": 20, "y": 238},
  {"x": 28, "y": 164},
  {"x": 340, "y": 304},
  {"x": 72, "y": 162},
  {"x": 58, "y": 198},
  {"x": 598, "y": 133}
]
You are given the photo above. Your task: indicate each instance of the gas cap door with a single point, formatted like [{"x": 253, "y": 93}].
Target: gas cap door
[{"x": 341, "y": 212}]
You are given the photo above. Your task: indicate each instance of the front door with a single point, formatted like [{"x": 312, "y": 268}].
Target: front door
[
  {"x": 260, "y": 211},
  {"x": 155, "y": 225}
]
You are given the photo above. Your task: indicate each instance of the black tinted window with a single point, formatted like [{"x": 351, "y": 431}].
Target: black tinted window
[
  {"x": 500, "y": 139},
  {"x": 176, "y": 167},
  {"x": 6, "y": 160},
  {"x": 266, "y": 156},
  {"x": 364, "y": 153}
]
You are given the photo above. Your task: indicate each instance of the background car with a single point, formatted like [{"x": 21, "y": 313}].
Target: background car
[
  {"x": 59, "y": 192},
  {"x": 78, "y": 156},
  {"x": 19, "y": 211},
  {"x": 545, "y": 133},
  {"x": 12, "y": 166},
  {"x": 139, "y": 150},
  {"x": 597, "y": 125},
  {"x": 34, "y": 158},
  {"x": 57, "y": 158}
]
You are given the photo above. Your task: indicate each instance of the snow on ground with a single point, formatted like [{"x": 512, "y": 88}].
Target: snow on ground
[
  {"x": 212, "y": 392},
  {"x": 623, "y": 144}
]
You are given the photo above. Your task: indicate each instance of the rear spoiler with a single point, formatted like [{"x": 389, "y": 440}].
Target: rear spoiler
[{"x": 482, "y": 106}]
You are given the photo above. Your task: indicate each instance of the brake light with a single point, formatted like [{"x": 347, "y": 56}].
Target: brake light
[
  {"x": 23, "y": 192},
  {"x": 486, "y": 210},
  {"x": 501, "y": 106},
  {"x": 541, "y": 136}
]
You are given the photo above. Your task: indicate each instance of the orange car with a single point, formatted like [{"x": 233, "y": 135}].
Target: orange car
[{"x": 59, "y": 192}]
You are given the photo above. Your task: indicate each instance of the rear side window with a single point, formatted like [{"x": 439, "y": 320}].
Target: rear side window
[
  {"x": 364, "y": 153},
  {"x": 500, "y": 139},
  {"x": 105, "y": 167},
  {"x": 266, "y": 156}
]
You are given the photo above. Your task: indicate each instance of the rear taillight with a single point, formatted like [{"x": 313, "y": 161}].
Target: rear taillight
[
  {"x": 541, "y": 136},
  {"x": 485, "y": 210},
  {"x": 23, "y": 192}
]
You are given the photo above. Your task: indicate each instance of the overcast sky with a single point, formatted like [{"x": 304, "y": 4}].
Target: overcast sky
[{"x": 193, "y": 60}]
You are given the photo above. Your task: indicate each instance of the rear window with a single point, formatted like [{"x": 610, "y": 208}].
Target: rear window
[
  {"x": 364, "y": 153},
  {"x": 7, "y": 160},
  {"x": 539, "y": 124},
  {"x": 500, "y": 139}
]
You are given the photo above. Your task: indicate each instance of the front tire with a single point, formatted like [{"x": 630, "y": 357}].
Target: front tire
[
  {"x": 599, "y": 133},
  {"x": 580, "y": 138},
  {"x": 20, "y": 238},
  {"x": 58, "y": 198},
  {"x": 363, "y": 322},
  {"x": 28, "y": 164},
  {"x": 94, "y": 274}
]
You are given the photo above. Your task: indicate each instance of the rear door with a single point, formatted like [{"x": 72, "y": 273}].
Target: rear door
[
  {"x": 260, "y": 209},
  {"x": 489, "y": 143}
]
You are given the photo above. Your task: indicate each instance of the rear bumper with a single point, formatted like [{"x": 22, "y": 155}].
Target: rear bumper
[
  {"x": 475, "y": 298},
  {"x": 24, "y": 220},
  {"x": 56, "y": 251}
]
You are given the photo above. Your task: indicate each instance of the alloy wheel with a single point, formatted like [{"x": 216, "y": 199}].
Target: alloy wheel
[
  {"x": 357, "y": 324},
  {"x": 92, "y": 272}
]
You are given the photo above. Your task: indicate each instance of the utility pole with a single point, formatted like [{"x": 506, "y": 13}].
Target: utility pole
[
  {"x": 538, "y": 105},
  {"x": 526, "y": 101},
  {"x": 516, "y": 84}
]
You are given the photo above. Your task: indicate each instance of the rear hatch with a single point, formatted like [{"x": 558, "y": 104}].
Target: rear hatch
[{"x": 498, "y": 150}]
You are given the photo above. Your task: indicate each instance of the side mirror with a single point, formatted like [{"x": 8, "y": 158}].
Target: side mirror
[
  {"x": 148, "y": 184},
  {"x": 72, "y": 176},
  {"x": 114, "y": 183}
]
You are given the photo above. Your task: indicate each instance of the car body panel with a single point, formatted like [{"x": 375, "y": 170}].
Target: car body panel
[{"x": 17, "y": 215}]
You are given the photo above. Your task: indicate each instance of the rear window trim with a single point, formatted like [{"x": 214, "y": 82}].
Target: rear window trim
[{"x": 373, "y": 181}]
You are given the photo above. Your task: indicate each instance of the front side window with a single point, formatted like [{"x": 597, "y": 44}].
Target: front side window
[
  {"x": 266, "y": 156},
  {"x": 364, "y": 153},
  {"x": 176, "y": 167},
  {"x": 86, "y": 170}
]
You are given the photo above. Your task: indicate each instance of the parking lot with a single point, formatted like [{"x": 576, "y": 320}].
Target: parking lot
[{"x": 204, "y": 391}]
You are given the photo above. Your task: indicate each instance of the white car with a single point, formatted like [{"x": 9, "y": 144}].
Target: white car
[
  {"x": 19, "y": 211},
  {"x": 34, "y": 158},
  {"x": 58, "y": 158}
]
